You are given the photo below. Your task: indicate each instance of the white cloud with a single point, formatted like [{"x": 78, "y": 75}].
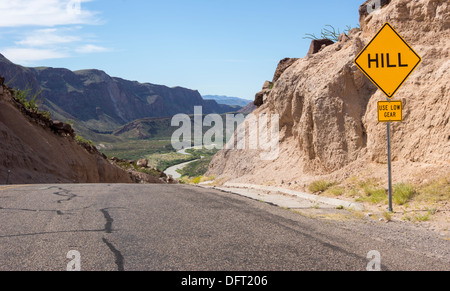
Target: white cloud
[
  {"x": 47, "y": 29},
  {"x": 27, "y": 55},
  {"x": 90, "y": 48},
  {"x": 47, "y": 37},
  {"x": 16, "y": 13}
]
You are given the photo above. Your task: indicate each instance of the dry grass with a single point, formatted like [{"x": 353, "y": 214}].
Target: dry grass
[
  {"x": 427, "y": 202},
  {"x": 435, "y": 191},
  {"x": 320, "y": 186},
  {"x": 403, "y": 192}
]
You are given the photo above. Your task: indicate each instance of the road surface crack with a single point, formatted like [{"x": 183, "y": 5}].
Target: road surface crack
[
  {"x": 57, "y": 211},
  {"x": 109, "y": 220},
  {"x": 64, "y": 193},
  {"x": 108, "y": 229},
  {"x": 118, "y": 255}
]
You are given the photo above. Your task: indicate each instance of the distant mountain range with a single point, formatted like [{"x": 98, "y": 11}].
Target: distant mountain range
[
  {"x": 100, "y": 103},
  {"x": 228, "y": 100}
]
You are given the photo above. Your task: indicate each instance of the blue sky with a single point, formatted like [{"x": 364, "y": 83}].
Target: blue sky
[{"x": 219, "y": 47}]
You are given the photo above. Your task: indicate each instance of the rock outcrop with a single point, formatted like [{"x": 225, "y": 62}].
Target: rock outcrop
[
  {"x": 282, "y": 66},
  {"x": 142, "y": 163},
  {"x": 261, "y": 96},
  {"x": 318, "y": 45},
  {"x": 328, "y": 108}
]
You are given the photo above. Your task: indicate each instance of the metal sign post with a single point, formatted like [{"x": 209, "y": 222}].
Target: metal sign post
[
  {"x": 388, "y": 60},
  {"x": 391, "y": 209},
  {"x": 390, "y": 111}
]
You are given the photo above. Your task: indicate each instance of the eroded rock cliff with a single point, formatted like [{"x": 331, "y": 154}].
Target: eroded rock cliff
[{"x": 328, "y": 107}]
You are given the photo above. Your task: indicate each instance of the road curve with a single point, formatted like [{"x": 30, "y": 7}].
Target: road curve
[
  {"x": 173, "y": 171},
  {"x": 115, "y": 227}
]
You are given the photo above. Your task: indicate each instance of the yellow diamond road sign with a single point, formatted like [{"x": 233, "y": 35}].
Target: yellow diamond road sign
[{"x": 388, "y": 60}]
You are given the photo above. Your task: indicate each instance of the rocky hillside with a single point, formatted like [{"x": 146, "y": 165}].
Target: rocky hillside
[
  {"x": 101, "y": 102},
  {"x": 147, "y": 128},
  {"x": 37, "y": 150},
  {"x": 328, "y": 108}
]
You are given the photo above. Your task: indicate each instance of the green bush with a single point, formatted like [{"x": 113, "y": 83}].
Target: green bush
[
  {"x": 197, "y": 168},
  {"x": 437, "y": 190},
  {"x": 336, "y": 190},
  {"x": 376, "y": 195},
  {"x": 23, "y": 96},
  {"x": 402, "y": 193},
  {"x": 26, "y": 98},
  {"x": 80, "y": 139},
  {"x": 370, "y": 191},
  {"x": 328, "y": 32},
  {"x": 196, "y": 180},
  {"x": 320, "y": 186}
]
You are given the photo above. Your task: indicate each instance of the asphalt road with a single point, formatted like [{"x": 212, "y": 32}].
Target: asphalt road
[
  {"x": 172, "y": 171},
  {"x": 184, "y": 228}
]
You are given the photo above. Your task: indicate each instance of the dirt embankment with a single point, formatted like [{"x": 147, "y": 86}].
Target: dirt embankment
[{"x": 37, "y": 150}]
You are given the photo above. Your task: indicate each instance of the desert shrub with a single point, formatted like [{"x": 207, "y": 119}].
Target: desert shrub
[
  {"x": 29, "y": 100},
  {"x": 435, "y": 191},
  {"x": 370, "y": 191},
  {"x": 80, "y": 139},
  {"x": 197, "y": 168},
  {"x": 336, "y": 190},
  {"x": 402, "y": 193},
  {"x": 23, "y": 96},
  {"x": 320, "y": 186},
  {"x": 328, "y": 32}
]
